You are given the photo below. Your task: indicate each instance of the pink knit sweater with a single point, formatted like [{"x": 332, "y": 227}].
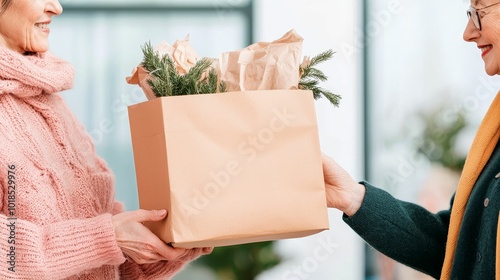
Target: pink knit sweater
[{"x": 57, "y": 195}]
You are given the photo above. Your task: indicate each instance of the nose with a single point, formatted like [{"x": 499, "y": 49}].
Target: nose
[
  {"x": 53, "y": 7},
  {"x": 470, "y": 32}
]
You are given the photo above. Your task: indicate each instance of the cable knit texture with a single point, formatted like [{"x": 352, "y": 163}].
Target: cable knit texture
[{"x": 64, "y": 193}]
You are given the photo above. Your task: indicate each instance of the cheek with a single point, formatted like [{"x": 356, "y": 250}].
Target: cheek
[
  {"x": 495, "y": 41},
  {"x": 492, "y": 34}
]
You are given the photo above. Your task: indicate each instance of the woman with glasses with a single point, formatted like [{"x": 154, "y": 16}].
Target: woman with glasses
[
  {"x": 58, "y": 216},
  {"x": 462, "y": 242}
]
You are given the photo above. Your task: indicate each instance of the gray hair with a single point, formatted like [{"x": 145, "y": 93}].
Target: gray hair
[{"x": 5, "y": 4}]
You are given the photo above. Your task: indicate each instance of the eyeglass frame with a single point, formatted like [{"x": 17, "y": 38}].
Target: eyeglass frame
[{"x": 473, "y": 11}]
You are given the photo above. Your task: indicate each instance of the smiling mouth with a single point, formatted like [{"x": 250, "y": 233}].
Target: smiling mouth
[
  {"x": 486, "y": 49},
  {"x": 42, "y": 25}
]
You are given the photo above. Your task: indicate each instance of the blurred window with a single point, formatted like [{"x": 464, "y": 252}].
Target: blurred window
[{"x": 103, "y": 38}]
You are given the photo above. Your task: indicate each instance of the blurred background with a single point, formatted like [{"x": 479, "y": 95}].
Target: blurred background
[{"x": 413, "y": 94}]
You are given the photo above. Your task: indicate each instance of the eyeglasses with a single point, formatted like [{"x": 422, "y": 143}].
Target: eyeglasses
[{"x": 473, "y": 13}]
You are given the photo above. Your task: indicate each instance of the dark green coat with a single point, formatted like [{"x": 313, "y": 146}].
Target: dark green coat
[{"x": 416, "y": 237}]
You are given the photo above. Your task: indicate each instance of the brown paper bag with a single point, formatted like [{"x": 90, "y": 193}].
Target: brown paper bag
[{"x": 230, "y": 168}]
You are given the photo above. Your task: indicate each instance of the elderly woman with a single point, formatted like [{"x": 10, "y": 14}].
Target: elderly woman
[
  {"x": 463, "y": 241},
  {"x": 59, "y": 219}
]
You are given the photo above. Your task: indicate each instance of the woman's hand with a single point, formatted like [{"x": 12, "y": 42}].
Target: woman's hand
[
  {"x": 140, "y": 244},
  {"x": 342, "y": 192}
]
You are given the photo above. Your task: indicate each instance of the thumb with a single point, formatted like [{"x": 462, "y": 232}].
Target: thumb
[{"x": 151, "y": 215}]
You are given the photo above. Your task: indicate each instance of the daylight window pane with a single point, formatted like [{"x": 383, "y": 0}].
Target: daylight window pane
[
  {"x": 105, "y": 46},
  {"x": 194, "y": 3}
]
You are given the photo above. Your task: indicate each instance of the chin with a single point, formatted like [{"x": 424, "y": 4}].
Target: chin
[
  {"x": 40, "y": 48},
  {"x": 492, "y": 71}
]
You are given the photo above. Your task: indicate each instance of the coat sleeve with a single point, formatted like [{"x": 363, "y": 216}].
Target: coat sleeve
[{"x": 403, "y": 231}]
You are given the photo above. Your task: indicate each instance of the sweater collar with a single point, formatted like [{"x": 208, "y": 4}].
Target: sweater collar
[{"x": 31, "y": 75}]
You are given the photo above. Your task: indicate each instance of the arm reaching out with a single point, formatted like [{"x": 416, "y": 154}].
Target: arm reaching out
[{"x": 342, "y": 192}]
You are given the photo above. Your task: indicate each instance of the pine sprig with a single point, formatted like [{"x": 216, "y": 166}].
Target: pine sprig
[
  {"x": 201, "y": 79},
  {"x": 166, "y": 81},
  {"x": 211, "y": 85},
  {"x": 311, "y": 76},
  {"x": 191, "y": 81}
]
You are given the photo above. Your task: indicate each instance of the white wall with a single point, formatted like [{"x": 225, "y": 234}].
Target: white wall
[{"x": 325, "y": 24}]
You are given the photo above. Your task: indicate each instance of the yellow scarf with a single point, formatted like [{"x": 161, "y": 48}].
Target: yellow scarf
[{"x": 481, "y": 150}]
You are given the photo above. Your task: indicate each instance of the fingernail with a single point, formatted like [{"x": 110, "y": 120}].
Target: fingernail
[{"x": 162, "y": 212}]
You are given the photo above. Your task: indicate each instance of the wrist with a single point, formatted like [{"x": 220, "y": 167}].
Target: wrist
[{"x": 357, "y": 196}]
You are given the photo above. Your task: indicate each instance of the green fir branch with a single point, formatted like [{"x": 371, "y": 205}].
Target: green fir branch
[
  {"x": 211, "y": 84},
  {"x": 193, "y": 77},
  {"x": 311, "y": 76},
  {"x": 166, "y": 81}
]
